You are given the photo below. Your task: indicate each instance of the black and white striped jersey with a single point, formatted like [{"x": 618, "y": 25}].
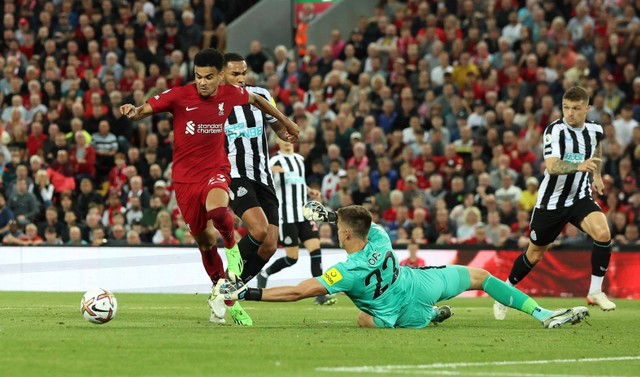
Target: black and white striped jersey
[
  {"x": 573, "y": 145},
  {"x": 247, "y": 145},
  {"x": 291, "y": 186}
]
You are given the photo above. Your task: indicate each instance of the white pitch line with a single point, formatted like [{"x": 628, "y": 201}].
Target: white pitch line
[
  {"x": 412, "y": 368},
  {"x": 502, "y": 374}
]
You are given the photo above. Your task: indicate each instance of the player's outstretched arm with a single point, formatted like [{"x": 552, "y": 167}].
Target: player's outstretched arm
[
  {"x": 264, "y": 106},
  {"x": 136, "y": 113},
  {"x": 559, "y": 167},
  {"x": 281, "y": 132},
  {"x": 308, "y": 288}
]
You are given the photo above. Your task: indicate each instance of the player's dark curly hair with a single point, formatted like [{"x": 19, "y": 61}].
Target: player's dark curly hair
[
  {"x": 209, "y": 57},
  {"x": 357, "y": 218}
]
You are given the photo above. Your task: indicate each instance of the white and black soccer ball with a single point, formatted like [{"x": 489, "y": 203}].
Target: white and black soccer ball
[{"x": 98, "y": 306}]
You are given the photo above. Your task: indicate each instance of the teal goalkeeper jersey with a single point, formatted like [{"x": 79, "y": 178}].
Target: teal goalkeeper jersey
[{"x": 373, "y": 279}]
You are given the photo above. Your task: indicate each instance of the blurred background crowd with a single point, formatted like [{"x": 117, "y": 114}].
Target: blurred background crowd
[{"x": 430, "y": 113}]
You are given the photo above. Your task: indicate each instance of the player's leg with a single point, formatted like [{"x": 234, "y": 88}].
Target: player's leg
[
  {"x": 289, "y": 260},
  {"x": 545, "y": 227},
  {"x": 207, "y": 244},
  {"x": 258, "y": 209},
  {"x": 310, "y": 237},
  {"x": 595, "y": 225},
  {"x": 365, "y": 320},
  {"x": 512, "y": 297},
  {"x": 195, "y": 217},
  {"x": 216, "y": 206}
]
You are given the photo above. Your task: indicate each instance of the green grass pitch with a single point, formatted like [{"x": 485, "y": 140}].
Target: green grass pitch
[{"x": 43, "y": 334}]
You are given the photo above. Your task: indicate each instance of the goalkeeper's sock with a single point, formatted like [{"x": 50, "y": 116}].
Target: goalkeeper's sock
[
  {"x": 252, "y": 267},
  {"x": 248, "y": 245},
  {"x": 279, "y": 264},
  {"x": 513, "y": 298}
]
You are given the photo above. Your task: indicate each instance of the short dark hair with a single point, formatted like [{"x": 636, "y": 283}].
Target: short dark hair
[
  {"x": 232, "y": 57},
  {"x": 209, "y": 57},
  {"x": 577, "y": 93},
  {"x": 357, "y": 218}
]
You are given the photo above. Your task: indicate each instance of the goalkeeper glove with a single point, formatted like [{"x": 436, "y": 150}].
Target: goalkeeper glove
[{"x": 315, "y": 211}]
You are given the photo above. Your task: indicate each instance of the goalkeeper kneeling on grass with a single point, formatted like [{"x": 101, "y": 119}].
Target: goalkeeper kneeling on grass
[{"x": 387, "y": 294}]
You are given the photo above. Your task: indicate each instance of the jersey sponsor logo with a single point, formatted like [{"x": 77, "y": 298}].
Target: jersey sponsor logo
[
  {"x": 547, "y": 139},
  {"x": 221, "y": 108},
  {"x": 191, "y": 108},
  {"x": 293, "y": 177},
  {"x": 332, "y": 276},
  {"x": 240, "y": 129},
  {"x": 574, "y": 158},
  {"x": 242, "y": 191},
  {"x": 217, "y": 179},
  {"x": 210, "y": 128},
  {"x": 190, "y": 129}
]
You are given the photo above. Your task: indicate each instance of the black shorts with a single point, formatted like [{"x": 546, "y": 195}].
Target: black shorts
[
  {"x": 295, "y": 234},
  {"x": 245, "y": 194},
  {"x": 546, "y": 224}
]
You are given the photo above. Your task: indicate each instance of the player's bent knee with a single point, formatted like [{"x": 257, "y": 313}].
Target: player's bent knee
[
  {"x": 365, "y": 320},
  {"x": 602, "y": 235}
]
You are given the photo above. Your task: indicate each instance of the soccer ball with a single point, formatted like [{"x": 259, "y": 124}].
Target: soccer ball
[{"x": 98, "y": 306}]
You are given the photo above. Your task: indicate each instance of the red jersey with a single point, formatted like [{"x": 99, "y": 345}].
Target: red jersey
[{"x": 198, "y": 127}]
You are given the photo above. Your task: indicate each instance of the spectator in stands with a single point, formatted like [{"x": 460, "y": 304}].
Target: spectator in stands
[
  {"x": 23, "y": 203},
  {"x": 442, "y": 230},
  {"x": 75, "y": 237},
  {"x": 105, "y": 145},
  {"x": 86, "y": 197},
  {"x": 82, "y": 157},
  {"x": 51, "y": 237},
  {"x": 133, "y": 238},
  {"x": 6, "y": 216},
  {"x": 413, "y": 260}
]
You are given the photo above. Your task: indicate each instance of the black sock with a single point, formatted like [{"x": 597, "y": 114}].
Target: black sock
[
  {"x": 316, "y": 262},
  {"x": 521, "y": 267},
  {"x": 248, "y": 245},
  {"x": 252, "y": 266},
  {"x": 600, "y": 256},
  {"x": 281, "y": 263}
]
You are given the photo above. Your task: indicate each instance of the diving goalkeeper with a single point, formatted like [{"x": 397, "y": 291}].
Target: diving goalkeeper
[{"x": 387, "y": 294}]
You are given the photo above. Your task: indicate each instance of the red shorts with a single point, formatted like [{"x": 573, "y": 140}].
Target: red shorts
[{"x": 192, "y": 197}]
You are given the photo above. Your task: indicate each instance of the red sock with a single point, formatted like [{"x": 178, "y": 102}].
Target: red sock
[
  {"x": 222, "y": 220},
  {"x": 213, "y": 264}
]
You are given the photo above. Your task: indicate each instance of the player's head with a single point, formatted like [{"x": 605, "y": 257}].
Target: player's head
[
  {"x": 208, "y": 71},
  {"x": 353, "y": 224},
  {"x": 575, "y": 106},
  {"x": 285, "y": 146},
  {"x": 235, "y": 69}
]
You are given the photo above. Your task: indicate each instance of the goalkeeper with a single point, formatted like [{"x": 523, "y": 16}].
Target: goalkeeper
[{"x": 390, "y": 295}]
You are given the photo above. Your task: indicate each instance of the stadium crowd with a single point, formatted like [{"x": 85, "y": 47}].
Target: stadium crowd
[{"x": 429, "y": 113}]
